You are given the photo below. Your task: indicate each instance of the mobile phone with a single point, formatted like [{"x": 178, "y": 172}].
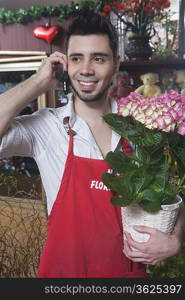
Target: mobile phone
[
  {"x": 62, "y": 76},
  {"x": 65, "y": 82}
]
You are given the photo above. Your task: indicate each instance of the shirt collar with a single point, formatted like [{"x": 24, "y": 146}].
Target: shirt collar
[
  {"x": 114, "y": 106},
  {"x": 70, "y": 113},
  {"x": 69, "y": 117}
]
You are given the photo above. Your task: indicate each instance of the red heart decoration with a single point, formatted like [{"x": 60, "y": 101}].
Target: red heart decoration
[{"x": 46, "y": 33}]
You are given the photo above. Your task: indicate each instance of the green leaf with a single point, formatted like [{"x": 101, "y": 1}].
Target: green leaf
[
  {"x": 151, "y": 195},
  {"x": 180, "y": 153},
  {"x": 159, "y": 170},
  {"x": 144, "y": 179},
  {"x": 119, "y": 162},
  {"x": 157, "y": 184},
  {"x": 152, "y": 138},
  {"x": 143, "y": 155},
  {"x": 153, "y": 199},
  {"x": 150, "y": 206},
  {"x": 119, "y": 184},
  {"x": 134, "y": 131},
  {"x": 157, "y": 156},
  {"x": 175, "y": 139},
  {"x": 114, "y": 183},
  {"x": 126, "y": 127},
  {"x": 182, "y": 190},
  {"x": 121, "y": 201},
  {"x": 119, "y": 124},
  {"x": 107, "y": 179}
]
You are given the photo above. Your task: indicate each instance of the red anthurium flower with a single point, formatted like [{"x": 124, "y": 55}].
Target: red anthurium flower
[
  {"x": 139, "y": 16},
  {"x": 107, "y": 8},
  {"x": 154, "y": 3},
  {"x": 148, "y": 8},
  {"x": 103, "y": 14},
  {"x": 166, "y": 4},
  {"x": 122, "y": 6},
  {"x": 136, "y": 8},
  {"x": 116, "y": 4}
]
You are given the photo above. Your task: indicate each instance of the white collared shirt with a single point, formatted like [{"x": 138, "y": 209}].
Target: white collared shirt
[{"x": 43, "y": 136}]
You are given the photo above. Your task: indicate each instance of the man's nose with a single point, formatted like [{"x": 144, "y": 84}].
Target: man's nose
[{"x": 87, "y": 68}]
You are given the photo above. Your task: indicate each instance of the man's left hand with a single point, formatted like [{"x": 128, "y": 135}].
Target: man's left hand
[{"x": 159, "y": 246}]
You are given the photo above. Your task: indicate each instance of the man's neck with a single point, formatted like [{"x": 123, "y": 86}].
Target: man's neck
[{"x": 92, "y": 112}]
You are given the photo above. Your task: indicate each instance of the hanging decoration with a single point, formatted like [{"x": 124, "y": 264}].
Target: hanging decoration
[
  {"x": 47, "y": 33},
  {"x": 61, "y": 12}
]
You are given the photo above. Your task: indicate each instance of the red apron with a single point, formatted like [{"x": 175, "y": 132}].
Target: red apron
[{"x": 85, "y": 236}]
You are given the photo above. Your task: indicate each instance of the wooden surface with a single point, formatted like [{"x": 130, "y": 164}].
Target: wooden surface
[
  {"x": 137, "y": 68},
  {"x": 19, "y": 37}
]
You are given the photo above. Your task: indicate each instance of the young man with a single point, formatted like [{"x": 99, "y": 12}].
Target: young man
[{"x": 84, "y": 229}]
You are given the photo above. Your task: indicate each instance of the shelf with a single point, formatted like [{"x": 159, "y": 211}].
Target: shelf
[{"x": 161, "y": 62}]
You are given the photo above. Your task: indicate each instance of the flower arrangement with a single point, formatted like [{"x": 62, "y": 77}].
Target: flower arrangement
[
  {"x": 154, "y": 173},
  {"x": 138, "y": 15}
]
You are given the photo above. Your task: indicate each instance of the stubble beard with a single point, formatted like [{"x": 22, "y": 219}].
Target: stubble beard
[{"x": 92, "y": 98}]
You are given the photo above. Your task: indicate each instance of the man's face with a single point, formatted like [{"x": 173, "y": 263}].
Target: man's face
[{"x": 91, "y": 66}]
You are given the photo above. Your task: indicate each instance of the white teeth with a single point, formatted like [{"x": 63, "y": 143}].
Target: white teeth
[{"x": 86, "y": 83}]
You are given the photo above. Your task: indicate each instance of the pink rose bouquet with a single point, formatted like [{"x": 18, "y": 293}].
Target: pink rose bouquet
[{"x": 155, "y": 172}]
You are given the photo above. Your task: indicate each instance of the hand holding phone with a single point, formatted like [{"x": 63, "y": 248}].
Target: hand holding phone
[
  {"x": 65, "y": 82},
  {"x": 62, "y": 76}
]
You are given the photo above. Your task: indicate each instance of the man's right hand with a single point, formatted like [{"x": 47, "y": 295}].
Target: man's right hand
[
  {"x": 15, "y": 99},
  {"x": 46, "y": 73}
]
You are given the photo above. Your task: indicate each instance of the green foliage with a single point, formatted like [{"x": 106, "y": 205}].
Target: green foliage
[
  {"x": 163, "y": 52},
  {"x": 135, "y": 131},
  {"x": 62, "y": 12},
  {"x": 151, "y": 176},
  {"x": 169, "y": 50},
  {"x": 172, "y": 267}
]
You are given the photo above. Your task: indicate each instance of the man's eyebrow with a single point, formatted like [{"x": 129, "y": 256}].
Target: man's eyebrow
[
  {"x": 92, "y": 54},
  {"x": 76, "y": 54},
  {"x": 100, "y": 54}
]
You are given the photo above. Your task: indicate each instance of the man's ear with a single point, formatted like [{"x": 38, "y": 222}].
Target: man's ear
[{"x": 117, "y": 62}]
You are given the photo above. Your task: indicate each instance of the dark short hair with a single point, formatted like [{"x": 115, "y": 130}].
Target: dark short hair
[{"x": 90, "y": 22}]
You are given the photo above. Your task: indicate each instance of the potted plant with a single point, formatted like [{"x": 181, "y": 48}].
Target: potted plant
[
  {"x": 138, "y": 17},
  {"x": 151, "y": 179}
]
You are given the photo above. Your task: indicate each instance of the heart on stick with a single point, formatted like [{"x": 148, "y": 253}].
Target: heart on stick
[{"x": 46, "y": 33}]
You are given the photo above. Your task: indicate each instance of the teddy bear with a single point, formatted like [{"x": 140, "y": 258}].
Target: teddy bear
[
  {"x": 180, "y": 80},
  {"x": 121, "y": 86},
  {"x": 149, "y": 87}
]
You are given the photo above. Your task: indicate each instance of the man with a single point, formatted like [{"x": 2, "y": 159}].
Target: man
[{"x": 69, "y": 144}]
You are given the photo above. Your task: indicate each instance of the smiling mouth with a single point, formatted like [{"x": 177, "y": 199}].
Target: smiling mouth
[{"x": 87, "y": 85}]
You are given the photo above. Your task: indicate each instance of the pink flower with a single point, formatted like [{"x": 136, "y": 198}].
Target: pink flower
[
  {"x": 173, "y": 113},
  {"x": 165, "y": 112},
  {"x": 149, "y": 111},
  {"x": 123, "y": 101},
  {"x": 161, "y": 122},
  {"x": 181, "y": 129},
  {"x": 124, "y": 111}
]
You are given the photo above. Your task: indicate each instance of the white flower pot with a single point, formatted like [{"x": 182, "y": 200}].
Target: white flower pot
[{"x": 164, "y": 220}]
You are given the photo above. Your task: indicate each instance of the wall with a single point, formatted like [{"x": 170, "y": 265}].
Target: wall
[
  {"x": 9, "y": 4},
  {"x": 19, "y": 37}
]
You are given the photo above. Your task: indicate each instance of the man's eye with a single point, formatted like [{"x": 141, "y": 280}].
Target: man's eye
[
  {"x": 99, "y": 59},
  {"x": 75, "y": 59}
]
